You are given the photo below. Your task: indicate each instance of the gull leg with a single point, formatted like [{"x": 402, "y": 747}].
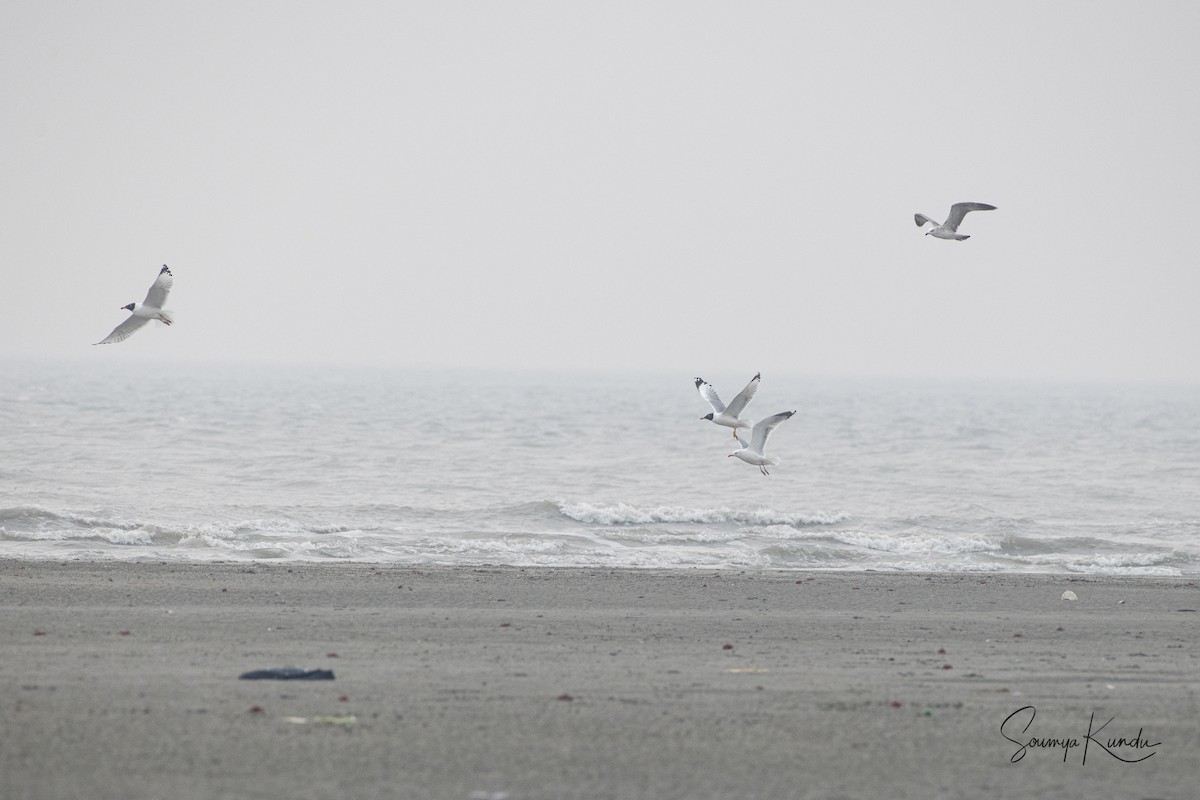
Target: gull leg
[{"x": 735, "y": 433}]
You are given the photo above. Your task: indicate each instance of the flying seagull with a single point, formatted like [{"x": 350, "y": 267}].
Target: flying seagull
[
  {"x": 727, "y": 415},
  {"x": 150, "y": 308},
  {"x": 752, "y": 452},
  {"x": 949, "y": 228}
]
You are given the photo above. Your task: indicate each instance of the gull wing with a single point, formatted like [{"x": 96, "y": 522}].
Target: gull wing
[
  {"x": 157, "y": 296},
  {"x": 959, "y": 210},
  {"x": 744, "y": 396},
  {"x": 710, "y": 395},
  {"x": 922, "y": 219},
  {"x": 758, "y": 437},
  {"x": 741, "y": 441},
  {"x": 124, "y": 330}
]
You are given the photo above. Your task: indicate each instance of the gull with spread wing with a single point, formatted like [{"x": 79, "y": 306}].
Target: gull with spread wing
[
  {"x": 141, "y": 313},
  {"x": 949, "y": 228},
  {"x": 753, "y": 451},
  {"x": 727, "y": 415}
]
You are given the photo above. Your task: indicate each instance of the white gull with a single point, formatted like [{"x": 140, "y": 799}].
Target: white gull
[
  {"x": 727, "y": 415},
  {"x": 753, "y": 451},
  {"x": 150, "y": 308},
  {"x": 949, "y": 228}
]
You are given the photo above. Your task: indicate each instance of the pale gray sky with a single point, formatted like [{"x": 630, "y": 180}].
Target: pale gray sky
[{"x": 682, "y": 186}]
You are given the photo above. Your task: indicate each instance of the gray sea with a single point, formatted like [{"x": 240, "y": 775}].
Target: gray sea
[{"x": 199, "y": 463}]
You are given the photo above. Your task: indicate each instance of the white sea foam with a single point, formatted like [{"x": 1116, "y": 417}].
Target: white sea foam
[
  {"x": 1126, "y": 563},
  {"x": 623, "y": 514},
  {"x": 909, "y": 544},
  {"x": 116, "y": 536}
]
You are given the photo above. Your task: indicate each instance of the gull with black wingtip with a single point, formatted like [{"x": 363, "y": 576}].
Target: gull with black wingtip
[
  {"x": 727, "y": 415},
  {"x": 949, "y": 228},
  {"x": 150, "y": 308},
  {"x": 754, "y": 451}
]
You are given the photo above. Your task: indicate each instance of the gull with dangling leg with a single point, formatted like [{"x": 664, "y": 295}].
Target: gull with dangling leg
[
  {"x": 753, "y": 451},
  {"x": 151, "y": 308},
  {"x": 727, "y": 415}
]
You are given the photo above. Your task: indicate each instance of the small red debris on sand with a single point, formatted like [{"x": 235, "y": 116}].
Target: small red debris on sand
[
  {"x": 122, "y": 633},
  {"x": 564, "y": 696},
  {"x": 941, "y": 651},
  {"x": 1004, "y": 689},
  {"x": 1016, "y": 636},
  {"x": 726, "y": 647},
  {"x": 505, "y": 624},
  {"x": 39, "y": 633},
  {"x": 331, "y": 655},
  {"x": 947, "y": 666},
  {"x": 256, "y": 709},
  {"x": 224, "y": 590},
  {"x": 343, "y": 699},
  {"x": 896, "y": 704}
]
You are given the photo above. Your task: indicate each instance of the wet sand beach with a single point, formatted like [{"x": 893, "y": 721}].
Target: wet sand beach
[{"x": 120, "y": 680}]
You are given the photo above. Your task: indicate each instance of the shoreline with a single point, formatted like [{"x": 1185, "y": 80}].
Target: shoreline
[{"x": 548, "y": 682}]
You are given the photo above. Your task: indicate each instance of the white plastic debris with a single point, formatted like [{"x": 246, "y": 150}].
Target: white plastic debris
[{"x": 1069, "y": 595}]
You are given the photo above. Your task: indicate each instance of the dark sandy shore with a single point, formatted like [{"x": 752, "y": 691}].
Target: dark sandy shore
[{"x": 121, "y": 681}]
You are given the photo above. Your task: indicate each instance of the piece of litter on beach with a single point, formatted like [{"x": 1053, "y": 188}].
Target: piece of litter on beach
[
  {"x": 1109, "y": 686},
  {"x": 748, "y": 669},
  {"x": 1069, "y": 595},
  {"x": 287, "y": 674},
  {"x": 322, "y": 719},
  {"x": 296, "y": 720}
]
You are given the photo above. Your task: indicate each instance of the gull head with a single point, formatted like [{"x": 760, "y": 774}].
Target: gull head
[{"x": 708, "y": 416}]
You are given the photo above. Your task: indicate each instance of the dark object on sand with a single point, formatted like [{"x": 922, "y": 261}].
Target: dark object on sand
[{"x": 288, "y": 674}]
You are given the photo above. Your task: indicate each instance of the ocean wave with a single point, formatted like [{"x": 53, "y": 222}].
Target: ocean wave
[
  {"x": 916, "y": 544},
  {"x": 37, "y": 516},
  {"x": 623, "y": 514},
  {"x": 115, "y": 536},
  {"x": 1128, "y": 563}
]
